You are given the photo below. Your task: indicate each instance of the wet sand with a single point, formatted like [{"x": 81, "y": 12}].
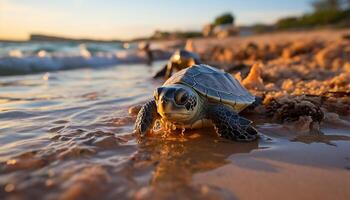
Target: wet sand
[{"x": 68, "y": 135}]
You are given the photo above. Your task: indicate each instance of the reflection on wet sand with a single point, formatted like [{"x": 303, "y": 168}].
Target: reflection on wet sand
[
  {"x": 177, "y": 158},
  {"x": 311, "y": 167},
  {"x": 286, "y": 181}
]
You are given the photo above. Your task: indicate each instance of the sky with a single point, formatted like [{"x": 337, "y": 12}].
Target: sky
[{"x": 126, "y": 19}]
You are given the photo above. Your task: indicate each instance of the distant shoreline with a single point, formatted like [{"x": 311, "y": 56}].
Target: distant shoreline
[{"x": 53, "y": 38}]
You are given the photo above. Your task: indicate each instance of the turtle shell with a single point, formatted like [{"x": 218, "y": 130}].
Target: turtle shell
[{"x": 216, "y": 85}]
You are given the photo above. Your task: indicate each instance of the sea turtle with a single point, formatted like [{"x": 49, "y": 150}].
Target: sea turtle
[
  {"x": 200, "y": 96},
  {"x": 181, "y": 59}
]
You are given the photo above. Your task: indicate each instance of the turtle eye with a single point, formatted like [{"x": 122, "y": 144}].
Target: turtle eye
[{"x": 181, "y": 96}]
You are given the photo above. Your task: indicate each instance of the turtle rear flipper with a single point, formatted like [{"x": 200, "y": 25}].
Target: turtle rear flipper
[
  {"x": 228, "y": 124},
  {"x": 146, "y": 118}
]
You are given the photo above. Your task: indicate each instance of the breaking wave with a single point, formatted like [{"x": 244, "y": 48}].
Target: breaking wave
[{"x": 31, "y": 58}]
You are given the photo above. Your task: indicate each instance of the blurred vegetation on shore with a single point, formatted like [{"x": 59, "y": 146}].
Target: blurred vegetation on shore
[
  {"x": 224, "y": 19},
  {"x": 325, "y": 12},
  {"x": 175, "y": 35}
]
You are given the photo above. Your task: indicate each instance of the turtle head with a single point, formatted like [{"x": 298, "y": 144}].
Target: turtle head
[
  {"x": 183, "y": 59},
  {"x": 176, "y": 103}
]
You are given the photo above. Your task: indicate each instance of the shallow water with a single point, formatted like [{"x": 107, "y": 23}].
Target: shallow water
[{"x": 69, "y": 133}]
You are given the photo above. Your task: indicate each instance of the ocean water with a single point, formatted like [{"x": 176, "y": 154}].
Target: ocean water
[
  {"x": 55, "y": 120},
  {"x": 67, "y": 134},
  {"x": 33, "y": 57}
]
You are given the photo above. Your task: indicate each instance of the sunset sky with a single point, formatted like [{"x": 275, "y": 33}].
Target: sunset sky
[{"x": 112, "y": 19}]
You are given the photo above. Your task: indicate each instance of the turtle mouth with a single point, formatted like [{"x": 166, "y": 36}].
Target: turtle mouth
[{"x": 174, "y": 115}]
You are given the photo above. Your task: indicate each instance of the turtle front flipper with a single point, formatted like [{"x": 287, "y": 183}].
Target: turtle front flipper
[
  {"x": 228, "y": 124},
  {"x": 146, "y": 118},
  {"x": 161, "y": 72}
]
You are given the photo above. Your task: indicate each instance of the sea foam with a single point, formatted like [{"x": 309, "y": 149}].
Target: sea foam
[{"x": 30, "y": 60}]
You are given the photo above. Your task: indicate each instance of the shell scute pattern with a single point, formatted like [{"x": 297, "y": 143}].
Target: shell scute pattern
[{"x": 214, "y": 84}]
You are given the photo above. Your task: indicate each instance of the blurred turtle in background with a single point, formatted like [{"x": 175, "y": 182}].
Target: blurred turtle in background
[
  {"x": 181, "y": 59},
  {"x": 146, "y": 47}
]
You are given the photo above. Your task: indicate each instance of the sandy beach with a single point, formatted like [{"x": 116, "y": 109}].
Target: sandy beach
[{"x": 79, "y": 144}]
